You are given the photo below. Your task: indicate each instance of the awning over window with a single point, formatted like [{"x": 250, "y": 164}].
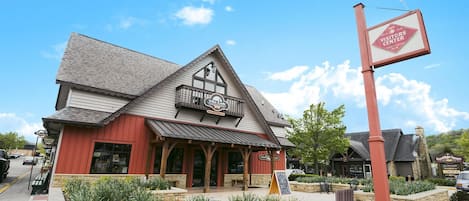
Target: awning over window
[{"x": 208, "y": 134}]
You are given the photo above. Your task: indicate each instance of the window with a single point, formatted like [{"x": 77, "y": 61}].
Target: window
[
  {"x": 174, "y": 162},
  {"x": 235, "y": 162},
  {"x": 110, "y": 158},
  {"x": 209, "y": 78}
]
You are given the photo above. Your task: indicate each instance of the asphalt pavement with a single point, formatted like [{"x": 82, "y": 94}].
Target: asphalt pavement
[{"x": 15, "y": 186}]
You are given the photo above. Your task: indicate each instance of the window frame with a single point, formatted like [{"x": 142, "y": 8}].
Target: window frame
[
  {"x": 215, "y": 82},
  {"x": 112, "y": 152}
]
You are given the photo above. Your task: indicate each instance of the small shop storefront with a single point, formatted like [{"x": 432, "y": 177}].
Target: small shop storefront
[{"x": 123, "y": 113}]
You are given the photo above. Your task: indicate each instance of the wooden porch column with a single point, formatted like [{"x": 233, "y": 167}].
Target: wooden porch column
[
  {"x": 209, "y": 150},
  {"x": 246, "y": 153},
  {"x": 151, "y": 147},
  {"x": 166, "y": 150}
]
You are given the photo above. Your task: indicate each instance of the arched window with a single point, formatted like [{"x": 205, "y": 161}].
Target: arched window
[{"x": 209, "y": 78}]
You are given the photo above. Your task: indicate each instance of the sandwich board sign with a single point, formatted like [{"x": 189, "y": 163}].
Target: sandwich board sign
[
  {"x": 279, "y": 183},
  {"x": 398, "y": 39}
]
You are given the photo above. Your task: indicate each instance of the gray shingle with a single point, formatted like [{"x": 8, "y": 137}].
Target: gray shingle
[
  {"x": 97, "y": 64},
  {"x": 285, "y": 142},
  {"x": 391, "y": 141},
  {"x": 210, "y": 134},
  {"x": 271, "y": 115},
  {"x": 74, "y": 115},
  {"x": 408, "y": 144}
]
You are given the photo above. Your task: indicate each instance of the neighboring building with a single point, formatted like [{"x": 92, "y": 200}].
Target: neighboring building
[
  {"x": 122, "y": 112},
  {"x": 406, "y": 155}
]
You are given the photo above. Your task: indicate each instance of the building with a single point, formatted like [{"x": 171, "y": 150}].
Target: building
[
  {"x": 406, "y": 155},
  {"x": 120, "y": 112}
]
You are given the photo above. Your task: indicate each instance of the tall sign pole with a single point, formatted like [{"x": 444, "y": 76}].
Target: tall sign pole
[{"x": 376, "y": 141}]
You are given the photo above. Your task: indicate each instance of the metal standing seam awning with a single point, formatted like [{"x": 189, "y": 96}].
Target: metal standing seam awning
[{"x": 207, "y": 134}]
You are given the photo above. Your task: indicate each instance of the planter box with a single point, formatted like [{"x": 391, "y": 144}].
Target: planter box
[
  {"x": 315, "y": 187},
  {"x": 433, "y": 195},
  {"x": 175, "y": 194}
]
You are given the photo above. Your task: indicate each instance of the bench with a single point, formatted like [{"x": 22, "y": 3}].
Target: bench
[
  {"x": 235, "y": 182},
  {"x": 40, "y": 183}
]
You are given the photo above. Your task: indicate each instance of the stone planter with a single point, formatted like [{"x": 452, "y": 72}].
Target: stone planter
[
  {"x": 175, "y": 194},
  {"x": 315, "y": 187},
  {"x": 433, "y": 195}
]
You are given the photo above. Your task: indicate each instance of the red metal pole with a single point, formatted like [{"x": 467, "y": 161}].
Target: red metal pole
[{"x": 376, "y": 141}]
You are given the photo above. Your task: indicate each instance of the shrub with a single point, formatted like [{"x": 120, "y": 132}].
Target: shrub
[
  {"x": 400, "y": 187},
  {"x": 293, "y": 177},
  {"x": 459, "y": 196},
  {"x": 311, "y": 179},
  {"x": 245, "y": 197},
  {"x": 442, "y": 181},
  {"x": 397, "y": 178},
  {"x": 110, "y": 189}
]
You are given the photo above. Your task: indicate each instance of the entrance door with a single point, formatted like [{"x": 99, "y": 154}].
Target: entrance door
[
  {"x": 199, "y": 169},
  {"x": 367, "y": 171}
]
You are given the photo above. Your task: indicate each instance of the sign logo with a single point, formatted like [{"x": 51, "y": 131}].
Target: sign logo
[
  {"x": 266, "y": 157},
  {"x": 394, "y": 37},
  {"x": 217, "y": 103}
]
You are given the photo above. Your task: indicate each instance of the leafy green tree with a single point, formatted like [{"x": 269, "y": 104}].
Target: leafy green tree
[
  {"x": 11, "y": 140},
  {"x": 463, "y": 144},
  {"x": 318, "y": 134}
]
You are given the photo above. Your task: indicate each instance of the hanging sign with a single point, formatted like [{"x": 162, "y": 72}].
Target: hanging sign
[
  {"x": 217, "y": 104},
  {"x": 279, "y": 183},
  {"x": 398, "y": 39}
]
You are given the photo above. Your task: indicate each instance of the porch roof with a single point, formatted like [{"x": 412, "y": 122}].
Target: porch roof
[
  {"x": 77, "y": 116},
  {"x": 209, "y": 134}
]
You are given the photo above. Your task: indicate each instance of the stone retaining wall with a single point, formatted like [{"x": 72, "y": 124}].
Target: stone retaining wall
[
  {"x": 433, "y": 195},
  {"x": 175, "y": 194},
  {"x": 315, "y": 187}
]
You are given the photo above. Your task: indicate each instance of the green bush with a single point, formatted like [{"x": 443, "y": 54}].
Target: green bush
[
  {"x": 397, "y": 178},
  {"x": 254, "y": 197},
  {"x": 111, "y": 189},
  {"x": 293, "y": 177},
  {"x": 442, "y": 181},
  {"x": 459, "y": 196},
  {"x": 198, "y": 198},
  {"x": 401, "y": 187}
]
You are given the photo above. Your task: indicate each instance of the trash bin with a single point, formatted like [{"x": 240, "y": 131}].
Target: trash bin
[{"x": 324, "y": 187}]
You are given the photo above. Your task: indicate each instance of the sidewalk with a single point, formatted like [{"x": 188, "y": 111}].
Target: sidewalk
[{"x": 55, "y": 194}]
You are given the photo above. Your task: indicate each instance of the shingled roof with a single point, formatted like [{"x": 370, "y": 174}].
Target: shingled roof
[
  {"x": 271, "y": 115},
  {"x": 397, "y": 146},
  {"x": 96, "y": 64}
]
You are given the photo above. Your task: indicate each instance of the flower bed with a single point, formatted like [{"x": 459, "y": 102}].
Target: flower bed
[
  {"x": 432, "y": 195},
  {"x": 109, "y": 189}
]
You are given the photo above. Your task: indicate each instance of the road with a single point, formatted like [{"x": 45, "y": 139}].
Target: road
[{"x": 15, "y": 186}]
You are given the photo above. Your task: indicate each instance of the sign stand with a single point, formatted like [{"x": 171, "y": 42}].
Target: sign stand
[
  {"x": 392, "y": 41},
  {"x": 279, "y": 183}
]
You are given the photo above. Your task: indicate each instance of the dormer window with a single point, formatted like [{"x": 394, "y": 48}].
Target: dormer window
[{"x": 209, "y": 78}]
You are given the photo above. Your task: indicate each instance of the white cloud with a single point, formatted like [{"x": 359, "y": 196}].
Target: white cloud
[
  {"x": 228, "y": 8},
  {"x": 192, "y": 15},
  {"x": 431, "y": 66},
  {"x": 10, "y": 122},
  {"x": 209, "y": 1},
  {"x": 289, "y": 74},
  {"x": 56, "y": 51},
  {"x": 127, "y": 22},
  {"x": 231, "y": 42},
  {"x": 345, "y": 84}
]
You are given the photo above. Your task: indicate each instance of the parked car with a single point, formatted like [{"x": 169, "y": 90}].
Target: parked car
[
  {"x": 462, "y": 182},
  {"x": 288, "y": 172},
  {"x": 15, "y": 155},
  {"x": 29, "y": 160},
  {"x": 4, "y": 164}
]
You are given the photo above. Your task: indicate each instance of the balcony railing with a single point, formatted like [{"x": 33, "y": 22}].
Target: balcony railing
[{"x": 191, "y": 97}]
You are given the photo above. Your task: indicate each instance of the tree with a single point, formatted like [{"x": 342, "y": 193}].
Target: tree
[
  {"x": 11, "y": 140},
  {"x": 318, "y": 134},
  {"x": 463, "y": 144}
]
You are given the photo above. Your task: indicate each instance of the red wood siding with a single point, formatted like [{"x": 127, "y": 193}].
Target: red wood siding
[
  {"x": 263, "y": 167},
  {"x": 77, "y": 144}
]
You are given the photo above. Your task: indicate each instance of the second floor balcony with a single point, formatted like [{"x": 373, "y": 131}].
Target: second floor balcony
[{"x": 194, "y": 98}]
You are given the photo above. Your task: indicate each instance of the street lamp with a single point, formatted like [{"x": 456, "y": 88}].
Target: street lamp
[{"x": 40, "y": 134}]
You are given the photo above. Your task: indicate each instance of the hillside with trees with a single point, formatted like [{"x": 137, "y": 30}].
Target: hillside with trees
[{"x": 454, "y": 142}]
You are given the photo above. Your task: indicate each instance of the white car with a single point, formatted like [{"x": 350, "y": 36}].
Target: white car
[{"x": 288, "y": 172}]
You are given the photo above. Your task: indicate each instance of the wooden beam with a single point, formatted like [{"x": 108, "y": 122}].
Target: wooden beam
[
  {"x": 208, "y": 150},
  {"x": 149, "y": 156},
  {"x": 245, "y": 153},
  {"x": 168, "y": 146}
]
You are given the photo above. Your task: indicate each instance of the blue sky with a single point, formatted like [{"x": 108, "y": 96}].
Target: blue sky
[{"x": 295, "y": 52}]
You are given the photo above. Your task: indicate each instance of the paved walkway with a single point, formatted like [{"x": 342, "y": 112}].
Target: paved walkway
[{"x": 224, "y": 194}]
